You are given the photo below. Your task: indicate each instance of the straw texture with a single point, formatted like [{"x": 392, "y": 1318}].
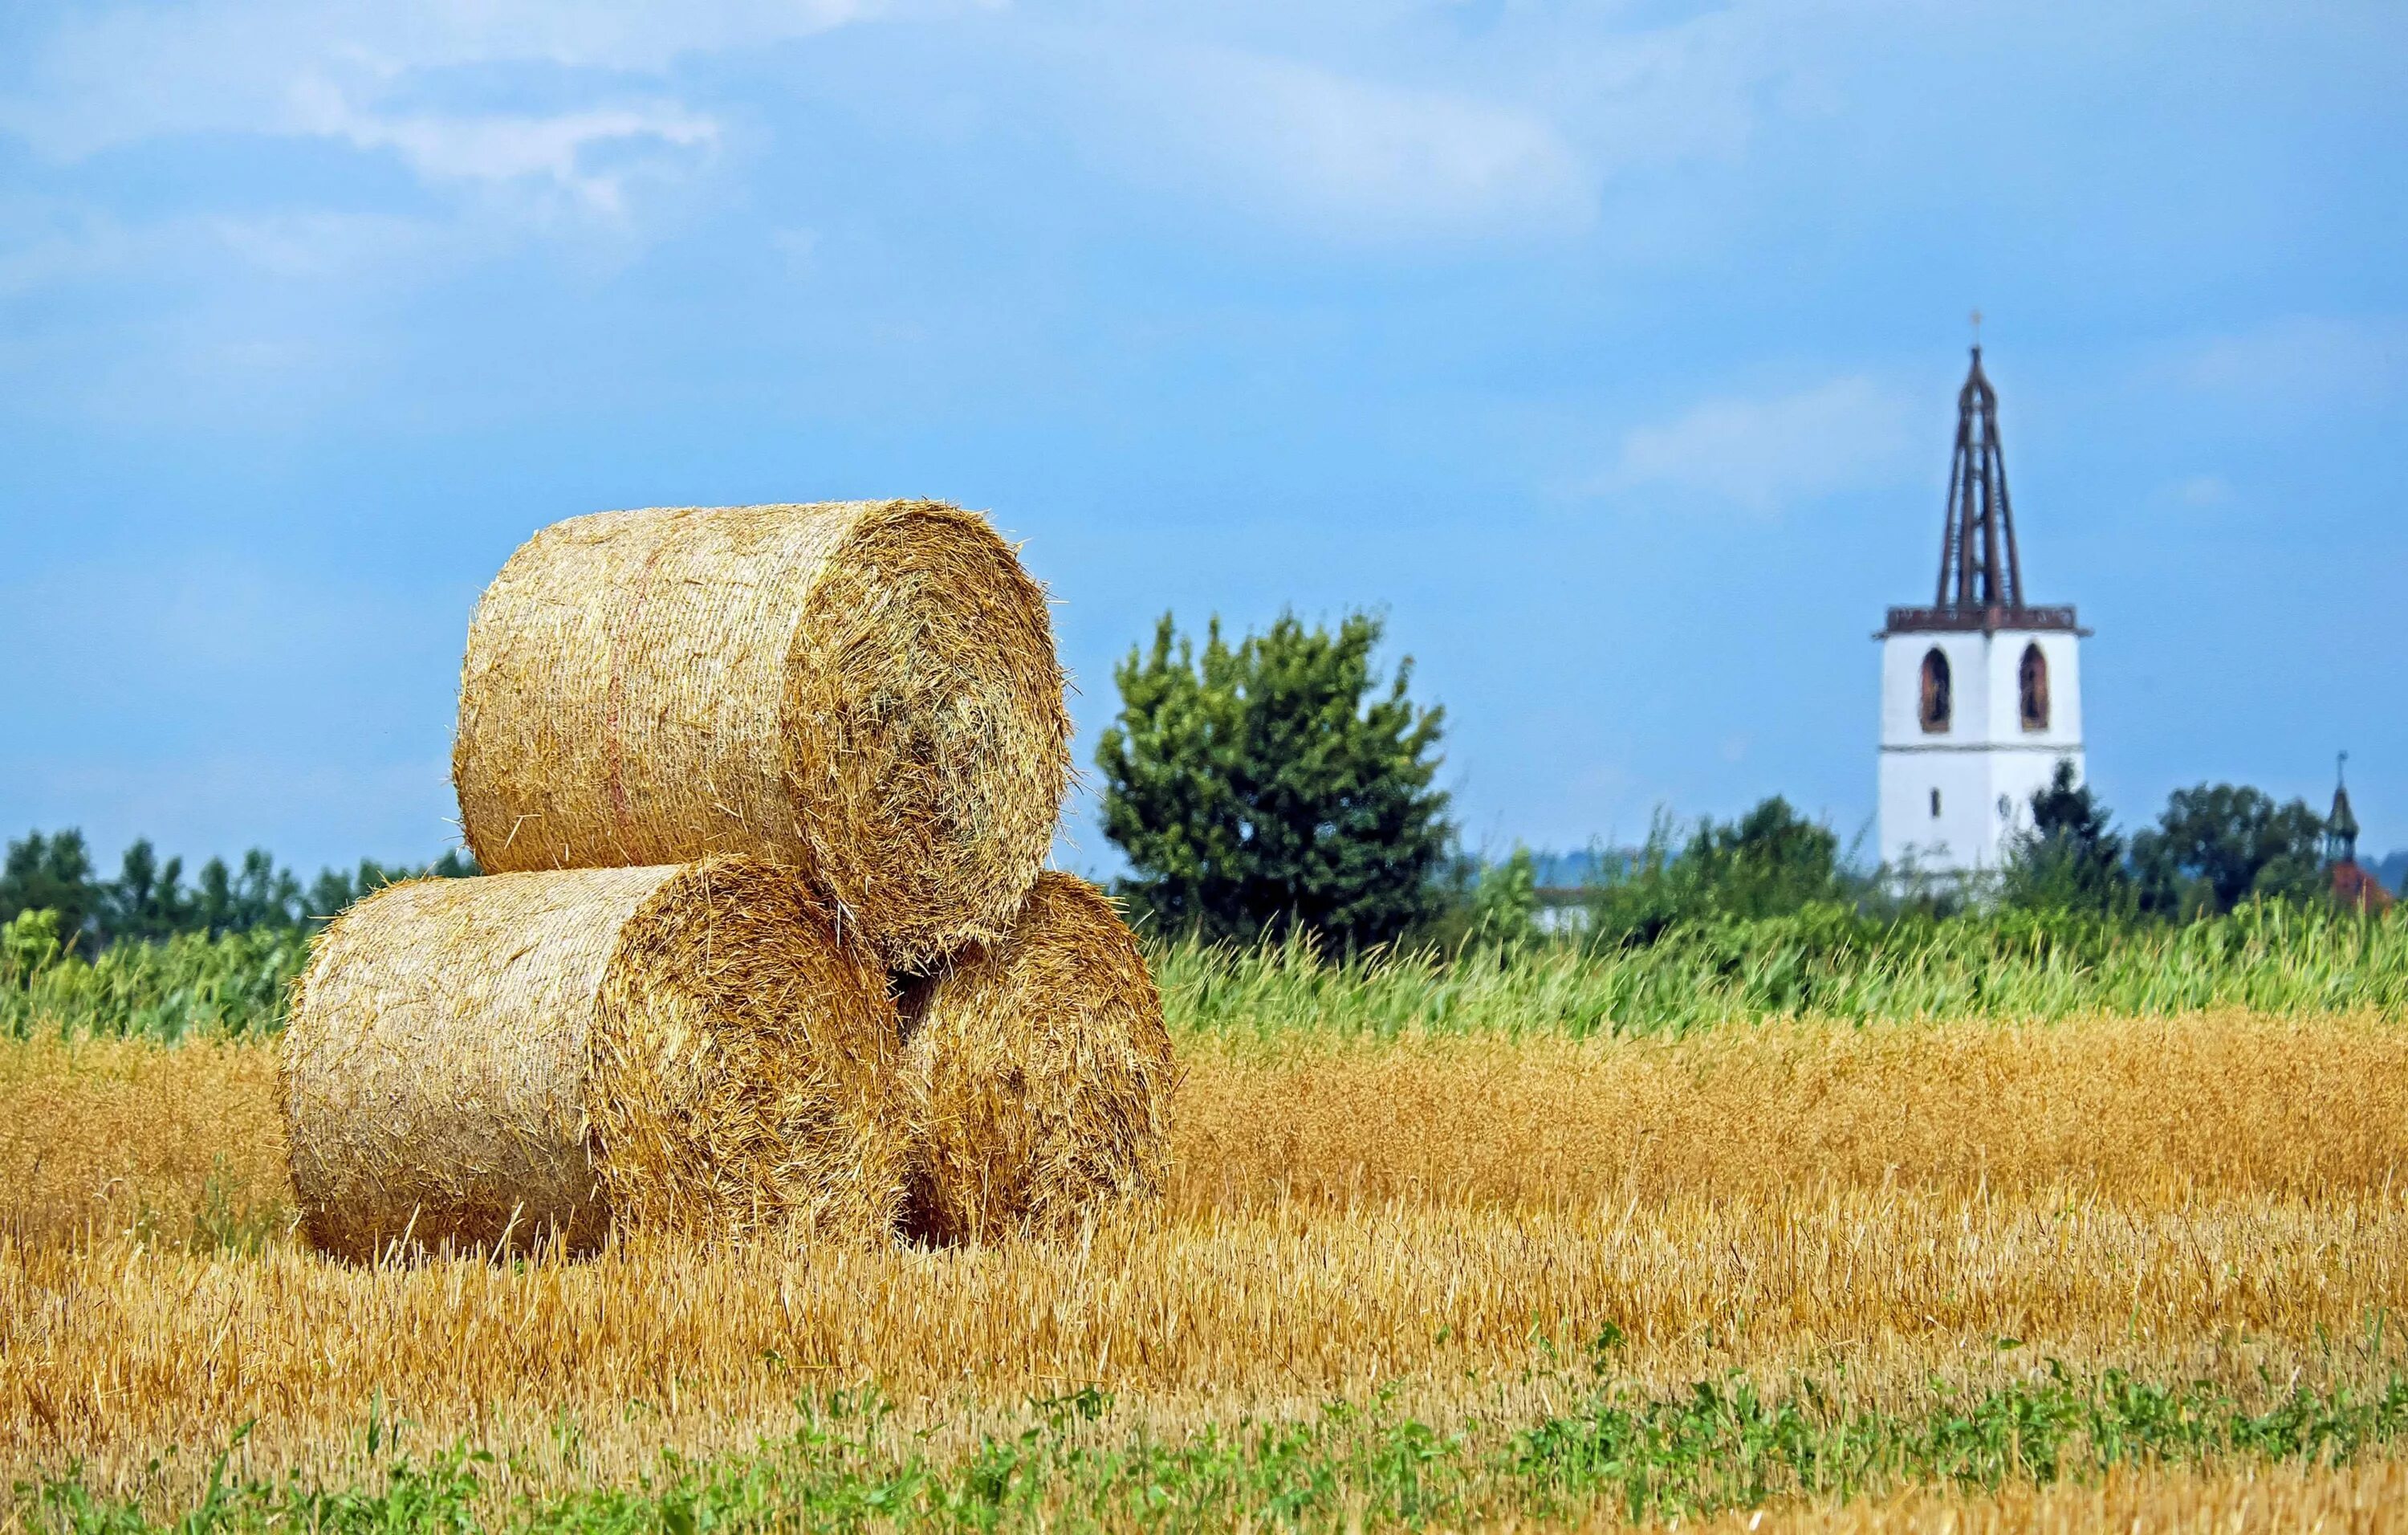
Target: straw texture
[
  {"x": 1040, "y": 1075},
  {"x": 524, "y": 1057},
  {"x": 867, "y": 691}
]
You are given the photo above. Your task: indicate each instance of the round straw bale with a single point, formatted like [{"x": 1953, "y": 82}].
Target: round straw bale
[
  {"x": 867, "y": 691},
  {"x": 501, "y": 1061},
  {"x": 1040, "y": 1075}
]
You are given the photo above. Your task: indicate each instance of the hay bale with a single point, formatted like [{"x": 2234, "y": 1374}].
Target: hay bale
[
  {"x": 867, "y": 691},
  {"x": 1040, "y": 1075},
  {"x": 550, "y": 1056}
]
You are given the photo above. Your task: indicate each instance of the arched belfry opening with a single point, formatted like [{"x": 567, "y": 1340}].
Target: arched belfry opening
[
  {"x": 1937, "y": 705},
  {"x": 2031, "y": 688}
]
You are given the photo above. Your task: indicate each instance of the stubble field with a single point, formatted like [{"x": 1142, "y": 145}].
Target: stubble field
[{"x": 2056, "y": 1276}]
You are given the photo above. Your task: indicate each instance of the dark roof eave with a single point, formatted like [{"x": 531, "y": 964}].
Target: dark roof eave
[{"x": 1979, "y": 620}]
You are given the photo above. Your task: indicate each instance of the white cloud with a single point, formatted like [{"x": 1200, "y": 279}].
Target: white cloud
[
  {"x": 42, "y": 245},
  {"x": 45, "y": 244},
  {"x": 1337, "y": 154},
  {"x": 133, "y": 73},
  {"x": 362, "y": 74},
  {"x": 2201, "y": 490},
  {"x": 1763, "y": 454},
  {"x": 500, "y": 146},
  {"x": 1689, "y": 91},
  {"x": 2303, "y": 357}
]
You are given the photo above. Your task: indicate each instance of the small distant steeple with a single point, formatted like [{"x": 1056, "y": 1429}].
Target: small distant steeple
[
  {"x": 1980, "y": 571},
  {"x": 2341, "y": 826}
]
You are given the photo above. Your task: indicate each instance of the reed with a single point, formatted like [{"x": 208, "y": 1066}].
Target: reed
[
  {"x": 2273, "y": 959},
  {"x": 1826, "y": 964}
]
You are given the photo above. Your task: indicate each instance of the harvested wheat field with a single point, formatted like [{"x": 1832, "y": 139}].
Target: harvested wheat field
[{"x": 2060, "y": 1277}]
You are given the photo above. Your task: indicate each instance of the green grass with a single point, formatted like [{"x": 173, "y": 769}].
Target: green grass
[
  {"x": 1826, "y": 963},
  {"x": 189, "y": 984},
  {"x": 1719, "y": 1444}
]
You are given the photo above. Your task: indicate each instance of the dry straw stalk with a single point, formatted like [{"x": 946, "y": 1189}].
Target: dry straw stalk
[
  {"x": 2216, "y": 1197},
  {"x": 525, "y": 1056},
  {"x": 1041, "y": 1075},
  {"x": 866, "y": 690}
]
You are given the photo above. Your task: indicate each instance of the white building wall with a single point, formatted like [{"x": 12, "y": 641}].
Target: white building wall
[{"x": 1985, "y": 766}]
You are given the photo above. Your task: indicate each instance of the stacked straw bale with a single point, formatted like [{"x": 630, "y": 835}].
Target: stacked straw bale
[
  {"x": 864, "y": 691},
  {"x": 1040, "y": 1076},
  {"x": 726, "y": 768},
  {"x": 503, "y": 1061}
]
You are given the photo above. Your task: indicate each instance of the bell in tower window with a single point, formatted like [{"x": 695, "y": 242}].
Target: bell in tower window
[
  {"x": 2031, "y": 687},
  {"x": 1936, "y": 704}
]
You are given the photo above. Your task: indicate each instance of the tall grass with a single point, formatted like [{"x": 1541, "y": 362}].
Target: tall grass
[
  {"x": 191, "y": 984},
  {"x": 1823, "y": 963}
]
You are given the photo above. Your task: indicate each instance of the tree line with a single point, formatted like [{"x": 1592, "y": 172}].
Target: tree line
[
  {"x": 2214, "y": 848},
  {"x": 149, "y": 897},
  {"x": 1284, "y": 782}
]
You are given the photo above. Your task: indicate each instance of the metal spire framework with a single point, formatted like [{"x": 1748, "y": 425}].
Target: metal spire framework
[
  {"x": 1981, "y": 570},
  {"x": 1979, "y": 567}
]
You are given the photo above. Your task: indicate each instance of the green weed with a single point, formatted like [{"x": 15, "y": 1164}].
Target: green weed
[{"x": 1718, "y": 1444}]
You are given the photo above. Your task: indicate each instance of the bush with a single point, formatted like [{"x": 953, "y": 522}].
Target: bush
[
  {"x": 2070, "y": 860},
  {"x": 1770, "y": 861}
]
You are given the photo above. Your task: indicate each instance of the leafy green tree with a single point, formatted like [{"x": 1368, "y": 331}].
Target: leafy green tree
[
  {"x": 1770, "y": 861},
  {"x": 332, "y": 890},
  {"x": 1504, "y": 905},
  {"x": 51, "y": 873},
  {"x": 147, "y": 899},
  {"x": 1636, "y": 900},
  {"x": 2216, "y": 845},
  {"x": 1274, "y": 785},
  {"x": 2072, "y": 859},
  {"x": 261, "y": 896}
]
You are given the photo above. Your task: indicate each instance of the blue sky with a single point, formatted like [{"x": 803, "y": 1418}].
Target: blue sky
[{"x": 1612, "y": 350}]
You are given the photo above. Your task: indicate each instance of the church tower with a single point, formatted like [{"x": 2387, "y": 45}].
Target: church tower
[{"x": 1981, "y": 692}]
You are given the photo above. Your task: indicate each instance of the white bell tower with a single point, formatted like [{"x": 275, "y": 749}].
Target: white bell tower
[{"x": 1981, "y": 694}]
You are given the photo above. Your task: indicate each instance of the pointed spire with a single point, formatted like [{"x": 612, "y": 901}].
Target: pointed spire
[
  {"x": 2341, "y": 826},
  {"x": 1980, "y": 570}
]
